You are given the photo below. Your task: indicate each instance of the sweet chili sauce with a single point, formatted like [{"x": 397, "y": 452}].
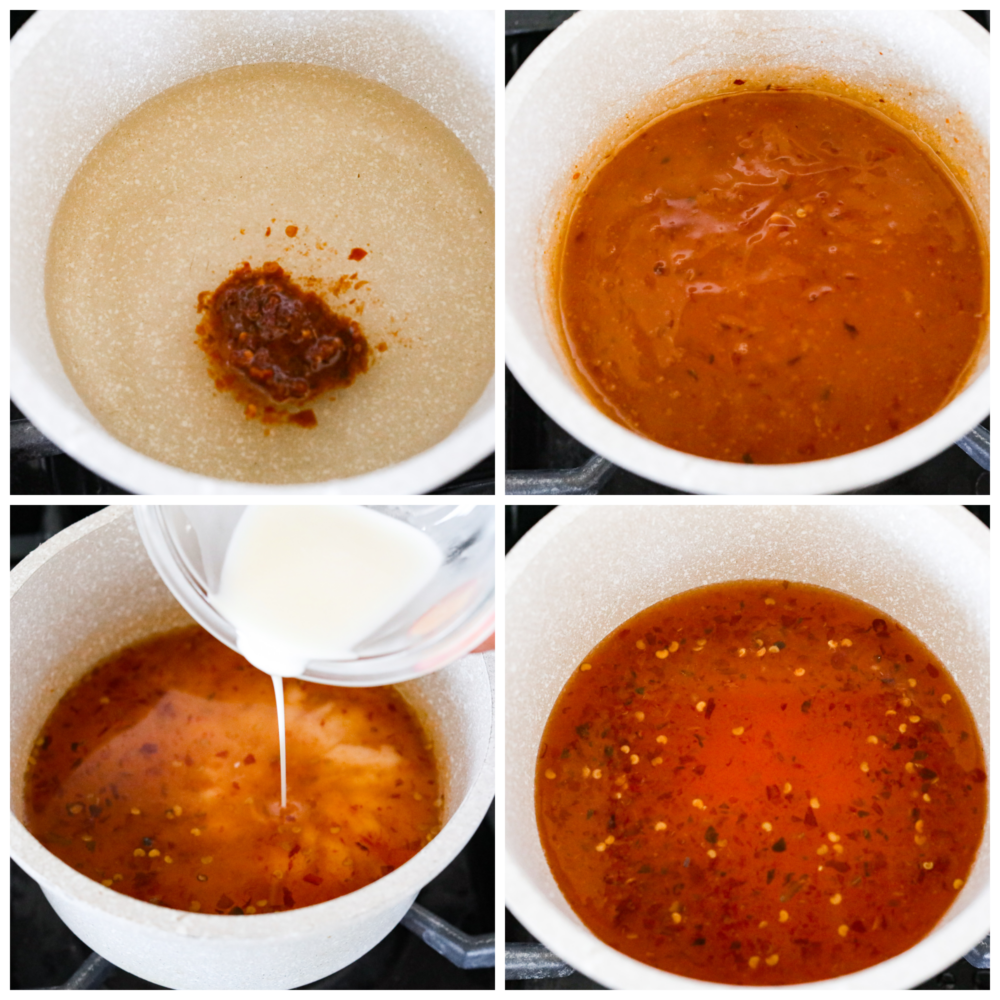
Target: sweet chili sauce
[
  {"x": 772, "y": 277},
  {"x": 158, "y": 776},
  {"x": 760, "y": 783}
]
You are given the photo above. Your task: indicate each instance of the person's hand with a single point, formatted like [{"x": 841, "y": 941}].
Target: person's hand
[{"x": 490, "y": 643}]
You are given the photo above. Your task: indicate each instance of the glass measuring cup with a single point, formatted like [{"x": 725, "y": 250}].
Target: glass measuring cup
[{"x": 452, "y": 615}]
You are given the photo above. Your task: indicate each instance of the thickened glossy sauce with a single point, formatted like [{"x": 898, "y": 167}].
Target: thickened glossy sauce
[
  {"x": 158, "y": 775},
  {"x": 269, "y": 341},
  {"x": 772, "y": 277},
  {"x": 760, "y": 783}
]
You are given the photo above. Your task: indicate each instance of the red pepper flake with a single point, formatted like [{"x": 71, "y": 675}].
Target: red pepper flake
[
  {"x": 709, "y": 708},
  {"x": 312, "y": 879},
  {"x": 295, "y": 850},
  {"x": 149, "y": 748},
  {"x": 739, "y": 83},
  {"x": 880, "y": 627},
  {"x": 222, "y": 753},
  {"x": 267, "y": 232},
  {"x": 249, "y": 759},
  {"x": 932, "y": 671},
  {"x": 224, "y": 903},
  {"x": 357, "y": 254},
  {"x": 287, "y": 896}
]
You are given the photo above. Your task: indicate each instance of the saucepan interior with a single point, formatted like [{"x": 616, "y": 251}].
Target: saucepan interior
[
  {"x": 584, "y": 570},
  {"x": 91, "y": 590},
  {"x": 603, "y": 74},
  {"x": 75, "y": 75}
]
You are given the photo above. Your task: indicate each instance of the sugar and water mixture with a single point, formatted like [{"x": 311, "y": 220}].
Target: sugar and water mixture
[
  {"x": 357, "y": 193},
  {"x": 158, "y": 776}
]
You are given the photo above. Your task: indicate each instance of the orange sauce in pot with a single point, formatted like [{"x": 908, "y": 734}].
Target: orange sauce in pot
[
  {"x": 760, "y": 783},
  {"x": 158, "y": 776},
  {"x": 772, "y": 277}
]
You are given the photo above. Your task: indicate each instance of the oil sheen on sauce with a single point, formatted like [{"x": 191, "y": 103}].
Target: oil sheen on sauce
[
  {"x": 311, "y": 583},
  {"x": 761, "y": 783},
  {"x": 771, "y": 278},
  {"x": 157, "y": 775}
]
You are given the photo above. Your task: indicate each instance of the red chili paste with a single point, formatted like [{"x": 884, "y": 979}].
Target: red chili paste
[{"x": 271, "y": 342}]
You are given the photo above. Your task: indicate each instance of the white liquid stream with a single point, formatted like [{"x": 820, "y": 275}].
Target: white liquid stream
[{"x": 312, "y": 583}]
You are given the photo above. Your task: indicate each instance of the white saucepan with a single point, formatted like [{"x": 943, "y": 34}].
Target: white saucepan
[
  {"x": 74, "y": 75},
  {"x": 91, "y": 590},
  {"x": 599, "y": 67},
  {"x": 584, "y": 570}
]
